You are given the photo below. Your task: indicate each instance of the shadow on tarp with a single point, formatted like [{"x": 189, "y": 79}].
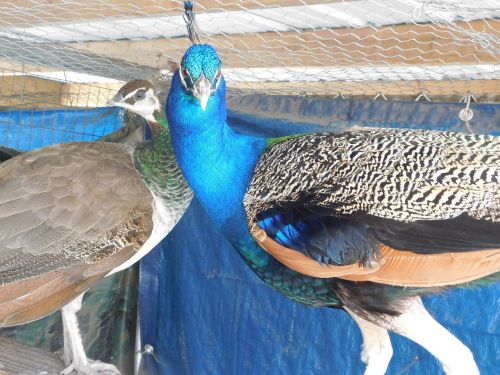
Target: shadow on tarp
[
  {"x": 205, "y": 312},
  {"x": 30, "y": 129}
]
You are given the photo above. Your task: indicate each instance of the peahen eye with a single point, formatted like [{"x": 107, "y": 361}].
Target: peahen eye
[{"x": 140, "y": 94}]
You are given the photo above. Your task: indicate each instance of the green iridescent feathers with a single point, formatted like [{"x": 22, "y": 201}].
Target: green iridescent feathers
[
  {"x": 155, "y": 161},
  {"x": 274, "y": 141}
]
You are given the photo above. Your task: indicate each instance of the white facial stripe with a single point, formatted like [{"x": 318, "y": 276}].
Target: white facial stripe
[
  {"x": 144, "y": 107},
  {"x": 218, "y": 81},
  {"x": 183, "y": 81},
  {"x": 195, "y": 90},
  {"x": 132, "y": 93}
]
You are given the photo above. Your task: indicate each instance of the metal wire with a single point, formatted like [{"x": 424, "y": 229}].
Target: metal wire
[
  {"x": 27, "y": 102},
  {"x": 358, "y": 47}
]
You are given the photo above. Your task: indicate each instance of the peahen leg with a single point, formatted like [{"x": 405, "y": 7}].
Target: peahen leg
[
  {"x": 416, "y": 324},
  {"x": 74, "y": 352},
  {"x": 377, "y": 348}
]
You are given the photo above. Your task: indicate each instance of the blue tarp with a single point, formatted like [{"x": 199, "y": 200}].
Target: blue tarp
[
  {"x": 30, "y": 129},
  {"x": 205, "y": 312}
]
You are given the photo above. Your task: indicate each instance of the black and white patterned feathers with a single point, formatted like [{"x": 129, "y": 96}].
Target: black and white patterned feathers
[{"x": 425, "y": 191}]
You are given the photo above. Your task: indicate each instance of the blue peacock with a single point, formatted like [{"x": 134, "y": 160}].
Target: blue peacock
[{"x": 337, "y": 199}]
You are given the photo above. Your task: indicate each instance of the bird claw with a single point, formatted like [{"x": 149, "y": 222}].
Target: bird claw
[{"x": 91, "y": 368}]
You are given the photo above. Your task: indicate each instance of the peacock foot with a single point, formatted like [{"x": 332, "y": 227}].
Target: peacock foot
[
  {"x": 377, "y": 356},
  {"x": 91, "y": 368},
  {"x": 462, "y": 364}
]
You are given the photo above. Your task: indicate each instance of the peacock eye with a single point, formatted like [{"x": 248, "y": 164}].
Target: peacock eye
[
  {"x": 186, "y": 79},
  {"x": 216, "y": 81},
  {"x": 140, "y": 94}
]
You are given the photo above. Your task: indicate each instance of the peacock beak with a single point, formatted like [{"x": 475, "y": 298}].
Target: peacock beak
[{"x": 202, "y": 90}]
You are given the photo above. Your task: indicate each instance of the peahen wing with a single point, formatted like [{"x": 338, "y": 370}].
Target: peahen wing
[
  {"x": 335, "y": 197},
  {"x": 68, "y": 213}
]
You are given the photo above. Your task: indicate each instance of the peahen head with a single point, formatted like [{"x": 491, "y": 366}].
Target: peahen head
[
  {"x": 200, "y": 73},
  {"x": 139, "y": 97}
]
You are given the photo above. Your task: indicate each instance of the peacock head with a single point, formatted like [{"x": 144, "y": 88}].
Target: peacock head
[
  {"x": 139, "y": 97},
  {"x": 200, "y": 72}
]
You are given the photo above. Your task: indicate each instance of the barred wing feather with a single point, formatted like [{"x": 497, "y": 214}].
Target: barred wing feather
[{"x": 336, "y": 196}]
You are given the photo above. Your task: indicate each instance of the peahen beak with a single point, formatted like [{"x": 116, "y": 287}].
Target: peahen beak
[
  {"x": 202, "y": 89},
  {"x": 114, "y": 100}
]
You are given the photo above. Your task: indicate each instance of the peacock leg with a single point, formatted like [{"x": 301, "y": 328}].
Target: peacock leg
[
  {"x": 416, "y": 324},
  {"x": 377, "y": 348},
  {"x": 74, "y": 352}
]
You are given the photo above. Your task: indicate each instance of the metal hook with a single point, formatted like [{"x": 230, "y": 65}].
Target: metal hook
[
  {"x": 423, "y": 95},
  {"x": 417, "y": 11},
  {"x": 466, "y": 113},
  {"x": 339, "y": 96},
  {"x": 467, "y": 97},
  {"x": 149, "y": 349},
  {"x": 379, "y": 95}
]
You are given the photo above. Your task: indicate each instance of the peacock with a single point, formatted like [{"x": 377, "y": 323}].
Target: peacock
[
  {"x": 73, "y": 213},
  {"x": 326, "y": 219}
]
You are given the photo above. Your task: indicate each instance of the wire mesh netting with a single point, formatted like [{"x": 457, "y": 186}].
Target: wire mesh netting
[
  {"x": 60, "y": 58},
  {"x": 443, "y": 48},
  {"x": 55, "y": 110}
]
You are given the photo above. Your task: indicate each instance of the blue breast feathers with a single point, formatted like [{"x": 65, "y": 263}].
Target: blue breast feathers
[{"x": 216, "y": 162}]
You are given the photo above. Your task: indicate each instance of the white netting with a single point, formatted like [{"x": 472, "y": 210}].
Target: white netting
[
  {"x": 27, "y": 102},
  {"x": 30, "y": 90},
  {"x": 399, "y": 48}
]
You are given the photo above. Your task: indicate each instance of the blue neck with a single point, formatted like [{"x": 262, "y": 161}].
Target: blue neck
[{"x": 217, "y": 162}]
